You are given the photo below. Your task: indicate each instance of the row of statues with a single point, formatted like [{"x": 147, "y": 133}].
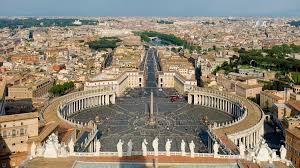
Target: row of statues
[
  {"x": 51, "y": 148},
  {"x": 155, "y": 147}
]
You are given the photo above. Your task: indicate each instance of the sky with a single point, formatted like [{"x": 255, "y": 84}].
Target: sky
[{"x": 275, "y": 8}]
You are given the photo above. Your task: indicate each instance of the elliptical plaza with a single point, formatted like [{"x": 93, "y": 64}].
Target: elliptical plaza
[{"x": 202, "y": 126}]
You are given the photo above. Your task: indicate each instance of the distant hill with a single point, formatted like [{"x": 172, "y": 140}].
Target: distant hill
[{"x": 33, "y": 22}]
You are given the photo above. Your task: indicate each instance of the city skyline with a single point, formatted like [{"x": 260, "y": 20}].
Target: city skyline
[{"x": 165, "y": 8}]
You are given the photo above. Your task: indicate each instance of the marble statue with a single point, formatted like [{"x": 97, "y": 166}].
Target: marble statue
[
  {"x": 155, "y": 146},
  {"x": 71, "y": 146},
  {"x": 274, "y": 154},
  {"x": 168, "y": 147},
  {"x": 242, "y": 150},
  {"x": 33, "y": 149},
  {"x": 283, "y": 152},
  {"x": 264, "y": 152},
  {"x": 98, "y": 147},
  {"x": 63, "y": 151},
  {"x": 182, "y": 146},
  {"x": 51, "y": 147},
  {"x": 216, "y": 148},
  {"x": 144, "y": 147},
  {"x": 40, "y": 150},
  {"x": 192, "y": 148},
  {"x": 129, "y": 148},
  {"x": 120, "y": 148}
]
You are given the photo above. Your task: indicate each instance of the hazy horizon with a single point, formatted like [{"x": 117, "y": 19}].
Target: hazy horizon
[{"x": 160, "y": 8}]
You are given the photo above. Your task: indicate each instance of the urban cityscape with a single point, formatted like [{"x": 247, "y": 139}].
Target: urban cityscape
[{"x": 150, "y": 91}]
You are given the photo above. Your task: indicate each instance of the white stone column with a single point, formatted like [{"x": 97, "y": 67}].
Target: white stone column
[
  {"x": 200, "y": 99},
  {"x": 196, "y": 99},
  {"x": 107, "y": 99},
  {"x": 113, "y": 99},
  {"x": 247, "y": 141},
  {"x": 256, "y": 137},
  {"x": 189, "y": 99},
  {"x": 69, "y": 108},
  {"x": 99, "y": 100},
  {"x": 250, "y": 140},
  {"x": 103, "y": 100}
]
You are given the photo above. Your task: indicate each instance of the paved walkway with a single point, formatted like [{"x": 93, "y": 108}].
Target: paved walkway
[{"x": 68, "y": 162}]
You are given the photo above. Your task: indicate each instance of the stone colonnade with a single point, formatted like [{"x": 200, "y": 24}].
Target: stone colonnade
[
  {"x": 72, "y": 104},
  {"x": 85, "y": 102},
  {"x": 220, "y": 103},
  {"x": 234, "y": 106}
]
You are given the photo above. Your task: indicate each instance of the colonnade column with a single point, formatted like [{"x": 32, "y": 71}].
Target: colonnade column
[
  {"x": 102, "y": 99},
  {"x": 190, "y": 99},
  {"x": 196, "y": 99},
  {"x": 107, "y": 99},
  {"x": 113, "y": 99}
]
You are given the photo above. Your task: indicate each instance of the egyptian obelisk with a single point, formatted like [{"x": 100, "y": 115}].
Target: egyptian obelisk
[{"x": 151, "y": 116}]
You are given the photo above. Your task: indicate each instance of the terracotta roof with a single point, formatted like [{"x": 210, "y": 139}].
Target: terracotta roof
[
  {"x": 294, "y": 104},
  {"x": 16, "y": 117},
  {"x": 294, "y": 131},
  {"x": 228, "y": 143},
  {"x": 271, "y": 94},
  {"x": 245, "y": 86}
]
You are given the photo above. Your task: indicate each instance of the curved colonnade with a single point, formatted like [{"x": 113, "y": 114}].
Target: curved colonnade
[
  {"x": 248, "y": 126},
  {"x": 79, "y": 101}
]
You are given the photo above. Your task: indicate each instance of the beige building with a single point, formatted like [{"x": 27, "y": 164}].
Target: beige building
[
  {"x": 30, "y": 89},
  {"x": 170, "y": 62},
  {"x": 269, "y": 97},
  {"x": 15, "y": 132},
  {"x": 127, "y": 79},
  {"x": 249, "y": 88},
  {"x": 175, "y": 80},
  {"x": 292, "y": 145},
  {"x": 280, "y": 110}
]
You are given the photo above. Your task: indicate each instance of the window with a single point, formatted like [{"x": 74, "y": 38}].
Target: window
[
  {"x": 13, "y": 133},
  {"x": 13, "y": 144},
  {"x": 22, "y": 132},
  {"x": 4, "y": 133},
  {"x": 21, "y": 123}
]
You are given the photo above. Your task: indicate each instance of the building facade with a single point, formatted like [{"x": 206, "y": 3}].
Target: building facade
[
  {"x": 128, "y": 79},
  {"x": 15, "y": 132},
  {"x": 293, "y": 145},
  {"x": 30, "y": 90}
]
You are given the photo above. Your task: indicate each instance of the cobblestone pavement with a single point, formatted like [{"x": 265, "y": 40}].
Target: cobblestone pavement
[{"x": 128, "y": 119}]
